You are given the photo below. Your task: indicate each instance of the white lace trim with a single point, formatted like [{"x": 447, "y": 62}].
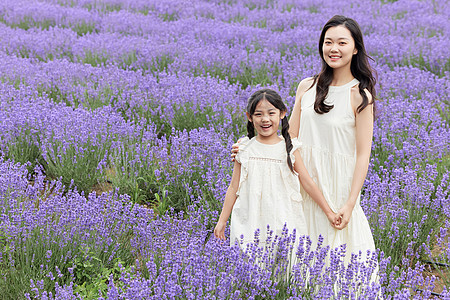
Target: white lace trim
[{"x": 277, "y": 161}]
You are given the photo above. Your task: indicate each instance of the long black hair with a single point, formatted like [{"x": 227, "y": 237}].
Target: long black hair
[
  {"x": 275, "y": 99},
  {"x": 359, "y": 67}
]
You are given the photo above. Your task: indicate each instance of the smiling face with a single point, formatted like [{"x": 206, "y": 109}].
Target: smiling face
[
  {"x": 338, "y": 47},
  {"x": 266, "y": 120}
]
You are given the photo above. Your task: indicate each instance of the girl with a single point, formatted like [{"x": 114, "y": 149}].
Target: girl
[
  {"x": 264, "y": 188},
  {"x": 333, "y": 118}
]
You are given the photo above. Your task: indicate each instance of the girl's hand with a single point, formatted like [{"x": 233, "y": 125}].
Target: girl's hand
[
  {"x": 345, "y": 214},
  {"x": 334, "y": 219},
  {"x": 219, "y": 230}
]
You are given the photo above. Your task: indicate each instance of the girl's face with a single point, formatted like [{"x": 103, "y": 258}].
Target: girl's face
[
  {"x": 338, "y": 47},
  {"x": 266, "y": 120}
]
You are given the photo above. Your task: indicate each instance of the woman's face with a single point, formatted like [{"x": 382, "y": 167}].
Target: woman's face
[{"x": 338, "y": 47}]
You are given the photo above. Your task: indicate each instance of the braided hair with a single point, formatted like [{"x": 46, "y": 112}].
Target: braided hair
[{"x": 275, "y": 99}]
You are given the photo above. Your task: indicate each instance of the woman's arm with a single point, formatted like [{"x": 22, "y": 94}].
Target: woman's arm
[
  {"x": 230, "y": 199},
  {"x": 294, "y": 120},
  {"x": 312, "y": 189},
  {"x": 364, "y": 133}
]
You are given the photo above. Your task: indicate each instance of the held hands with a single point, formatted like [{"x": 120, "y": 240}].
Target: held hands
[
  {"x": 344, "y": 215},
  {"x": 335, "y": 219}
]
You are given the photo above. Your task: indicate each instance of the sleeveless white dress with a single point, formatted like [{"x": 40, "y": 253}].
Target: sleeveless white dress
[
  {"x": 329, "y": 154},
  {"x": 268, "y": 194}
]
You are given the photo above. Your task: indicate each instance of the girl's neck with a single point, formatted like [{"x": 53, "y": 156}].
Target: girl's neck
[
  {"x": 269, "y": 140},
  {"x": 341, "y": 77}
]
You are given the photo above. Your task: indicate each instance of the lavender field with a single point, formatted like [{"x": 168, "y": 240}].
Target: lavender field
[{"x": 116, "y": 123}]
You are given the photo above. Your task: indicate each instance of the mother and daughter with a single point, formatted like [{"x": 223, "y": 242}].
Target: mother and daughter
[{"x": 325, "y": 148}]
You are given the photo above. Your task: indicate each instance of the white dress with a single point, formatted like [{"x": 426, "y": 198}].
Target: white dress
[
  {"x": 268, "y": 194},
  {"x": 329, "y": 154}
]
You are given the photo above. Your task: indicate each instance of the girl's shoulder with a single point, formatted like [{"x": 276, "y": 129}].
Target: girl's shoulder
[{"x": 242, "y": 156}]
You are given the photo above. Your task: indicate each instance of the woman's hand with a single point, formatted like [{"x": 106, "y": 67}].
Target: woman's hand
[
  {"x": 234, "y": 150},
  {"x": 344, "y": 214},
  {"x": 219, "y": 230}
]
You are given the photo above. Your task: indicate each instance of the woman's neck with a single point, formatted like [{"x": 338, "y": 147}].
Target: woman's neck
[{"x": 341, "y": 77}]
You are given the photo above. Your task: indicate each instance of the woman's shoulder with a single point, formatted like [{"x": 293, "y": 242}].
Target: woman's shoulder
[
  {"x": 356, "y": 97},
  {"x": 245, "y": 146}
]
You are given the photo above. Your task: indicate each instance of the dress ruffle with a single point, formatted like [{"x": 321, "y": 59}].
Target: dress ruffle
[
  {"x": 242, "y": 157},
  {"x": 293, "y": 183},
  {"x": 296, "y": 144}
]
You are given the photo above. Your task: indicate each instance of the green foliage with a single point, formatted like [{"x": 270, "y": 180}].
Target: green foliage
[
  {"x": 399, "y": 15},
  {"x": 262, "y": 23},
  {"x": 313, "y": 9},
  {"x": 84, "y": 28},
  {"x": 4, "y": 252},
  {"x": 77, "y": 164},
  {"x": 262, "y": 75},
  {"x": 237, "y": 18},
  {"x": 144, "y": 11},
  {"x": 28, "y": 22},
  {"x": 140, "y": 183},
  {"x": 92, "y": 276},
  {"x": 159, "y": 64},
  {"x": 42, "y": 254},
  {"x": 185, "y": 117},
  {"x": 105, "y": 95},
  {"x": 17, "y": 82},
  {"x": 406, "y": 241},
  {"x": 102, "y": 6},
  {"x": 248, "y": 76},
  {"x": 128, "y": 60},
  {"x": 160, "y": 185},
  {"x": 169, "y": 17},
  {"x": 24, "y": 149},
  {"x": 94, "y": 59},
  {"x": 24, "y": 52},
  {"x": 440, "y": 67},
  {"x": 288, "y": 7},
  {"x": 251, "y": 6}
]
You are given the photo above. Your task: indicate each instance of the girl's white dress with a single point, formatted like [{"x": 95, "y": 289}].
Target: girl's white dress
[
  {"x": 329, "y": 154},
  {"x": 268, "y": 194}
]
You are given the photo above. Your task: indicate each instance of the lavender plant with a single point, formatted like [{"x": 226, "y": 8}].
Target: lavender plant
[{"x": 148, "y": 96}]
